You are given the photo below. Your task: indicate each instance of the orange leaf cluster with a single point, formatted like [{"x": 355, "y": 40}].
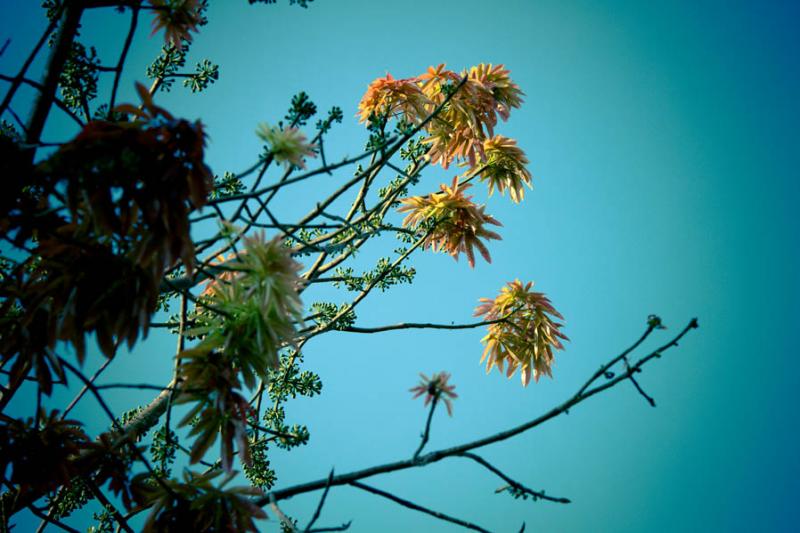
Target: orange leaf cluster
[
  {"x": 460, "y": 129},
  {"x": 505, "y": 167},
  {"x": 457, "y": 224},
  {"x": 525, "y": 335},
  {"x": 397, "y": 98}
]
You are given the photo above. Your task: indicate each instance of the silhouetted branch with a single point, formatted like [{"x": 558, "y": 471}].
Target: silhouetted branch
[
  {"x": 515, "y": 484},
  {"x": 647, "y": 397},
  {"x": 285, "y": 520},
  {"x": 50, "y": 520},
  {"x": 427, "y": 431},
  {"x": 86, "y": 387},
  {"x": 416, "y": 507},
  {"x": 423, "y": 325},
  {"x": 61, "y": 105},
  {"x": 70, "y": 21},
  {"x": 121, "y": 63},
  {"x": 582, "y": 395},
  {"x": 604, "y": 369},
  {"x": 343, "y": 527},
  {"x": 126, "y": 438},
  {"x": 17, "y": 80},
  {"x": 95, "y": 490},
  {"x": 321, "y": 502}
]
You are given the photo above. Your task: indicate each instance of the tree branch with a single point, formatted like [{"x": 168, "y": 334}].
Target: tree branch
[
  {"x": 321, "y": 503},
  {"x": 427, "y": 431},
  {"x": 69, "y": 27},
  {"x": 515, "y": 484},
  {"x": 412, "y": 505},
  {"x": 18, "y": 79},
  {"x": 582, "y": 395},
  {"x": 124, "y": 54}
]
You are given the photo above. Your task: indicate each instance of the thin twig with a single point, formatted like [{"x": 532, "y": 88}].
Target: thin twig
[
  {"x": 126, "y": 438},
  {"x": 343, "y": 527},
  {"x": 86, "y": 387},
  {"x": 639, "y": 388},
  {"x": 48, "y": 519},
  {"x": 95, "y": 490},
  {"x": 17, "y": 80},
  {"x": 427, "y": 431},
  {"x": 177, "y": 365},
  {"x": 416, "y": 507},
  {"x": 282, "y": 517},
  {"x": 321, "y": 503},
  {"x": 423, "y": 325},
  {"x": 515, "y": 484},
  {"x": 122, "y": 56},
  {"x": 60, "y": 104}
]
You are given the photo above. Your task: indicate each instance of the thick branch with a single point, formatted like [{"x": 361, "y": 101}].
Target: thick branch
[{"x": 69, "y": 27}]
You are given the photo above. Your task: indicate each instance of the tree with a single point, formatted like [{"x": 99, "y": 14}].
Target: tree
[{"x": 101, "y": 233}]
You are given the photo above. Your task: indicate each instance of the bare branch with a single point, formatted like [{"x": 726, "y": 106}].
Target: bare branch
[
  {"x": 283, "y": 518},
  {"x": 17, "y": 80},
  {"x": 61, "y": 105},
  {"x": 321, "y": 503},
  {"x": 416, "y": 507},
  {"x": 50, "y": 520},
  {"x": 95, "y": 490},
  {"x": 423, "y": 325},
  {"x": 86, "y": 387},
  {"x": 582, "y": 395},
  {"x": 515, "y": 484},
  {"x": 427, "y": 431},
  {"x": 121, "y": 63}
]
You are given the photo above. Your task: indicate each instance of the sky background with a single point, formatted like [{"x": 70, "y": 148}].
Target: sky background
[{"x": 664, "y": 149}]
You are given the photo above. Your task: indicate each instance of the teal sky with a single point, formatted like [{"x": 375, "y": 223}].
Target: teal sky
[{"x": 664, "y": 148}]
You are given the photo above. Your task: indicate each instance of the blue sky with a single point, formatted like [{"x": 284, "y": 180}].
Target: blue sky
[{"x": 664, "y": 149}]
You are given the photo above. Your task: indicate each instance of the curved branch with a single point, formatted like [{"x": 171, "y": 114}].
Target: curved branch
[
  {"x": 582, "y": 395},
  {"x": 427, "y": 433},
  {"x": 537, "y": 495},
  {"x": 121, "y": 63},
  {"x": 412, "y": 505}
]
